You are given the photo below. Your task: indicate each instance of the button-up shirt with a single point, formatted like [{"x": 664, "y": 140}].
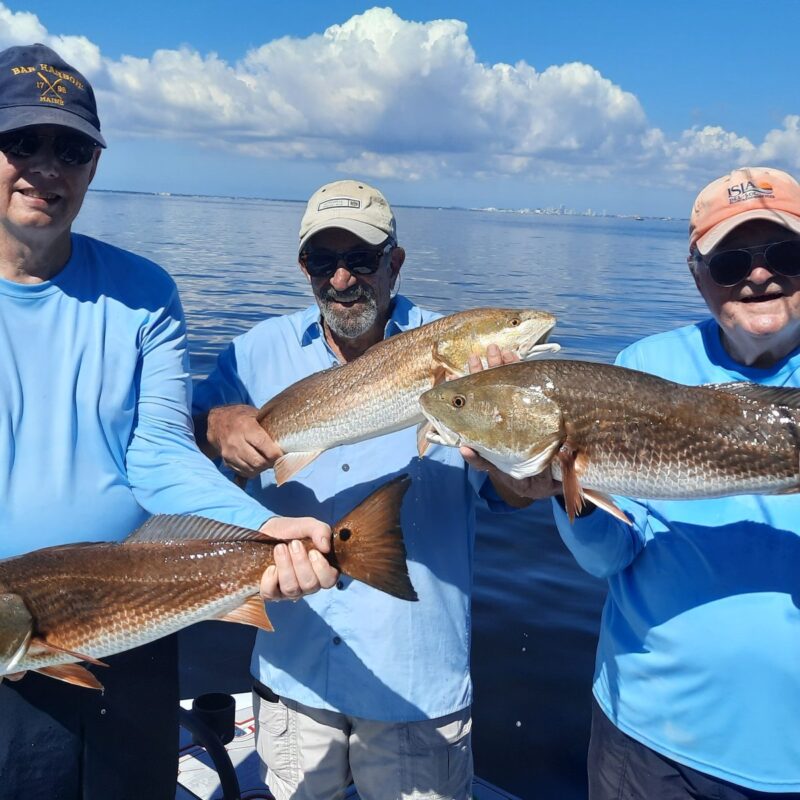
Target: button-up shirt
[{"x": 353, "y": 648}]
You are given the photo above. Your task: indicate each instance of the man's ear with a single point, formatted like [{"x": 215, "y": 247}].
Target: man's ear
[
  {"x": 398, "y": 257},
  {"x": 95, "y": 161},
  {"x": 691, "y": 260},
  {"x": 305, "y": 271}
]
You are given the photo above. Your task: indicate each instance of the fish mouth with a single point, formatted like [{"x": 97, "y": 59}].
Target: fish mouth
[
  {"x": 441, "y": 434},
  {"x": 534, "y": 342}
]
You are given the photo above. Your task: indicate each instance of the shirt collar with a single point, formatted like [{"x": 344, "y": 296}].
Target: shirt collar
[{"x": 404, "y": 316}]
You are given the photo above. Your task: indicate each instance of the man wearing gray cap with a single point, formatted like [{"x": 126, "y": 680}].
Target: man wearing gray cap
[
  {"x": 355, "y": 685},
  {"x": 95, "y": 434}
]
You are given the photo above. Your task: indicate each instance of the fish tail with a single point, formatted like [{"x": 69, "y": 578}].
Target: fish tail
[{"x": 368, "y": 542}]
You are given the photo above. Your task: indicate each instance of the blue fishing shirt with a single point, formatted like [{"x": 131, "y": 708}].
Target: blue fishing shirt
[
  {"x": 699, "y": 649},
  {"x": 355, "y": 649},
  {"x": 95, "y": 429}
]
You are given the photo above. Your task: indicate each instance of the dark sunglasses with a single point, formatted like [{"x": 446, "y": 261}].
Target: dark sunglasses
[
  {"x": 321, "y": 263},
  {"x": 730, "y": 267},
  {"x": 70, "y": 148}
]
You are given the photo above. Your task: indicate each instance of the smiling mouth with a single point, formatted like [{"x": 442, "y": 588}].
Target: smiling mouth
[
  {"x": 762, "y": 298},
  {"x": 35, "y": 194}
]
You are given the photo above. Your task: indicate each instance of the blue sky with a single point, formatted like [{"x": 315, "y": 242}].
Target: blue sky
[{"x": 629, "y": 107}]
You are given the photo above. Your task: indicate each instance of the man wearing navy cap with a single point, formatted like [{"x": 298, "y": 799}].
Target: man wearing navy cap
[{"x": 95, "y": 434}]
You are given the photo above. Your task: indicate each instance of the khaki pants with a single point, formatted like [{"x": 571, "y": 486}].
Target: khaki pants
[{"x": 312, "y": 754}]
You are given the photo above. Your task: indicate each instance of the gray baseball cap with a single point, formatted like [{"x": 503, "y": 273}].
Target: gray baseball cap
[{"x": 353, "y": 206}]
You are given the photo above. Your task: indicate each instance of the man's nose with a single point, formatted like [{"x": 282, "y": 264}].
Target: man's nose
[
  {"x": 759, "y": 270},
  {"x": 44, "y": 161},
  {"x": 342, "y": 278}
]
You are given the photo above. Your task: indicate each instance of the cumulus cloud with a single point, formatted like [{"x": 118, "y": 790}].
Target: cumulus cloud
[{"x": 386, "y": 97}]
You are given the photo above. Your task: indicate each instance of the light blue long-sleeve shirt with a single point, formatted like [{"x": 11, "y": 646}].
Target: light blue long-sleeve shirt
[
  {"x": 699, "y": 650},
  {"x": 95, "y": 429},
  {"x": 355, "y": 649}
]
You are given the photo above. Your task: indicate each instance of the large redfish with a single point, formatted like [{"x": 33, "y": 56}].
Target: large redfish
[
  {"x": 604, "y": 430},
  {"x": 81, "y": 602},
  {"x": 378, "y": 392}
]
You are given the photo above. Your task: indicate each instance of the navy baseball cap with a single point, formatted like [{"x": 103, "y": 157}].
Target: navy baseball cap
[{"x": 37, "y": 87}]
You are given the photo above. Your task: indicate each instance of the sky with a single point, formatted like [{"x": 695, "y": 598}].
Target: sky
[{"x": 628, "y": 107}]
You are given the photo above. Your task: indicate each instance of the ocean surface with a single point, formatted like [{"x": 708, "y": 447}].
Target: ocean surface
[{"x": 609, "y": 281}]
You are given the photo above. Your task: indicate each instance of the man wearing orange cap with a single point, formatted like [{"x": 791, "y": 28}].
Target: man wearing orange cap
[{"x": 697, "y": 679}]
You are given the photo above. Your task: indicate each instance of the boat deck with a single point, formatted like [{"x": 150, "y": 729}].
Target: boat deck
[{"x": 198, "y": 780}]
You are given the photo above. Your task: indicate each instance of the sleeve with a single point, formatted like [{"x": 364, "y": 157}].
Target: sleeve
[
  {"x": 223, "y": 386},
  {"x": 484, "y": 488},
  {"x": 600, "y": 543},
  {"x": 166, "y": 471}
]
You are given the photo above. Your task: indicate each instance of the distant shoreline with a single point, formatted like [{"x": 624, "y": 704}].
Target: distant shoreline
[{"x": 561, "y": 211}]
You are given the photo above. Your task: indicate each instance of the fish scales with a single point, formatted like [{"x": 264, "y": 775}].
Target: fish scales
[
  {"x": 643, "y": 438},
  {"x": 130, "y": 603}
]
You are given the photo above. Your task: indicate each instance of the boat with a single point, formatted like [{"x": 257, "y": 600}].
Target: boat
[{"x": 201, "y": 776}]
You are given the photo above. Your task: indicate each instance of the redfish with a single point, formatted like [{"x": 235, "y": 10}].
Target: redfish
[
  {"x": 603, "y": 429},
  {"x": 82, "y": 602},
  {"x": 378, "y": 392}
]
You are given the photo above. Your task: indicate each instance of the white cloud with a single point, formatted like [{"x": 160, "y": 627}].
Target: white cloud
[
  {"x": 23, "y": 27},
  {"x": 384, "y": 97},
  {"x": 782, "y": 145}
]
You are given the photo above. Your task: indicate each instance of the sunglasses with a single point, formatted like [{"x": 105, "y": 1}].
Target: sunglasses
[
  {"x": 69, "y": 148},
  {"x": 321, "y": 263},
  {"x": 730, "y": 267}
]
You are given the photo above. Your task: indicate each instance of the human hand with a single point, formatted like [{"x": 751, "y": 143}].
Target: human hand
[
  {"x": 297, "y": 571},
  {"x": 517, "y": 492},
  {"x": 234, "y": 434}
]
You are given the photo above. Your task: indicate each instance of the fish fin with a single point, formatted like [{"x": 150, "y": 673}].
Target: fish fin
[
  {"x": 541, "y": 349},
  {"x": 786, "y": 396},
  {"x": 39, "y": 645},
  {"x": 603, "y": 501},
  {"x": 290, "y": 464},
  {"x": 573, "y": 493},
  {"x": 72, "y": 673},
  {"x": 443, "y": 370},
  {"x": 368, "y": 542},
  {"x": 172, "y": 527},
  {"x": 423, "y": 429},
  {"x": 251, "y": 612}
]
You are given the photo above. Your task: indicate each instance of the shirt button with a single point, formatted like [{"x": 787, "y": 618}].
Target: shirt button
[
  {"x": 340, "y": 584},
  {"x": 345, "y": 467},
  {"x": 337, "y": 640}
]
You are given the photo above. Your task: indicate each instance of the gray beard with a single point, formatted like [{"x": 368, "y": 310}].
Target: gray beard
[{"x": 349, "y": 323}]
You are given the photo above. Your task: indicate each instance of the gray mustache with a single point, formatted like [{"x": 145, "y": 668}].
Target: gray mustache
[{"x": 353, "y": 293}]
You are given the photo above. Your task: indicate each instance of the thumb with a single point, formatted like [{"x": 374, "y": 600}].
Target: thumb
[{"x": 300, "y": 528}]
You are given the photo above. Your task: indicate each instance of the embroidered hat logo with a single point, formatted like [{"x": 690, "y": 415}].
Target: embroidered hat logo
[
  {"x": 747, "y": 190},
  {"x": 51, "y": 89}
]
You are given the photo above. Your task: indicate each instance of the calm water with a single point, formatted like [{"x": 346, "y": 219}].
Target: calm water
[{"x": 536, "y": 614}]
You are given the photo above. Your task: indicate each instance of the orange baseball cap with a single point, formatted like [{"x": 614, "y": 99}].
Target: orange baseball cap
[{"x": 746, "y": 193}]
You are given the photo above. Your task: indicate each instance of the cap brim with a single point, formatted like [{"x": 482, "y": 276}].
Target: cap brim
[
  {"x": 21, "y": 117},
  {"x": 706, "y": 243},
  {"x": 368, "y": 233}
]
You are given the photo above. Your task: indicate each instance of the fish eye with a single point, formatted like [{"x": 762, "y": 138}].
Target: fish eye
[
  {"x": 459, "y": 401},
  {"x": 515, "y": 321}
]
